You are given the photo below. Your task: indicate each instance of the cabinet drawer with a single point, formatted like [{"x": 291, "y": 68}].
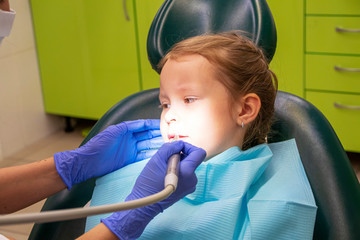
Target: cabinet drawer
[
  {"x": 334, "y": 73},
  {"x": 333, "y": 7},
  {"x": 321, "y": 35},
  {"x": 344, "y": 121}
]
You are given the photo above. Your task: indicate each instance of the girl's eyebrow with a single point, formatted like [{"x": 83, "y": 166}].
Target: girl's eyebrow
[{"x": 181, "y": 88}]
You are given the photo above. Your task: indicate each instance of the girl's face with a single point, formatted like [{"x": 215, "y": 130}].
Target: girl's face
[{"x": 196, "y": 106}]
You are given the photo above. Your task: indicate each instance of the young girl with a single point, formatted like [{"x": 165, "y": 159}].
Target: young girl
[
  {"x": 221, "y": 88},
  {"x": 218, "y": 93}
]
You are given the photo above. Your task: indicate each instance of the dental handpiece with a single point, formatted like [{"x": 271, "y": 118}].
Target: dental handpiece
[{"x": 172, "y": 172}]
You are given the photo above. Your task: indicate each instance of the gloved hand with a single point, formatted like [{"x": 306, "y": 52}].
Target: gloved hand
[
  {"x": 115, "y": 147},
  {"x": 130, "y": 224}
]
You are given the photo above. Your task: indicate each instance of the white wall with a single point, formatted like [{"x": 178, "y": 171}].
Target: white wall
[{"x": 22, "y": 117}]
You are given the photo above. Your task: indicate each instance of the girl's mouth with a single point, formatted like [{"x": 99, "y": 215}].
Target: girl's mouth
[{"x": 174, "y": 137}]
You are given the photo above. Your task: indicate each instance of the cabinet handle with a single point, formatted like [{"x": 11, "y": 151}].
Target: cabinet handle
[
  {"x": 338, "y": 29},
  {"x": 341, "y": 69},
  {"x": 342, "y": 106},
  {"x": 126, "y": 11}
]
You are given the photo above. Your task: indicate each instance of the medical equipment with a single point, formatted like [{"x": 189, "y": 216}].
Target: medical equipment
[
  {"x": 171, "y": 180},
  {"x": 172, "y": 172}
]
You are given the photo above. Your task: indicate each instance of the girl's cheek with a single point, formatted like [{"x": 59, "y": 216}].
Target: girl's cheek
[{"x": 163, "y": 131}]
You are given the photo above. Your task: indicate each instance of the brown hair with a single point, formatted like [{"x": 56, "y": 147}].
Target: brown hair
[{"x": 242, "y": 67}]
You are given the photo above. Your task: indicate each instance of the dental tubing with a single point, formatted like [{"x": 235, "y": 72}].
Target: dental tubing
[
  {"x": 74, "y": 213},
  {"x": 171, "y": 180}
]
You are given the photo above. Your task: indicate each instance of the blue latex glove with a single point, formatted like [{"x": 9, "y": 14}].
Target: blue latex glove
[
  {"x": 115, "y": 147},
  {"x": 130, "y": 224}
]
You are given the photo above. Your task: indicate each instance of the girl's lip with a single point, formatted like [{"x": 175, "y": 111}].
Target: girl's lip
[{"x": 171, "y": 136}]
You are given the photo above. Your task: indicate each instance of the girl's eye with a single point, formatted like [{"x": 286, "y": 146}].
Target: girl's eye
[
  {"x": 190, "y": 100},
  {"x": 164, "y": 105}
]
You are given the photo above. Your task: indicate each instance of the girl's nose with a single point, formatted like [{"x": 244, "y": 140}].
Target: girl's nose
[{"x": 170, "y": 117}]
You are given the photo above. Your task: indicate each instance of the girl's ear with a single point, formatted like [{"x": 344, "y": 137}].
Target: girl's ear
[{"x": 248, "y": 108}]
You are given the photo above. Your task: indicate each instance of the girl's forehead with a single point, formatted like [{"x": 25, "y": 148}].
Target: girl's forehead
[{"x": 187, "y": 69}]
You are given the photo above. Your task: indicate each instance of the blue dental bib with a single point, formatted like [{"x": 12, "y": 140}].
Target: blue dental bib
[{"x": 260, "y": 193}]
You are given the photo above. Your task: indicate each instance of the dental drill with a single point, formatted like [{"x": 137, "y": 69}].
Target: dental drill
[
  {"x": 171, "y": 181},
  {"x": 172, "y": 172}
]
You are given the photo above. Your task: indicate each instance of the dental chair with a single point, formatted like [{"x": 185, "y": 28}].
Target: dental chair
[{"x": 335, "y": 186}]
